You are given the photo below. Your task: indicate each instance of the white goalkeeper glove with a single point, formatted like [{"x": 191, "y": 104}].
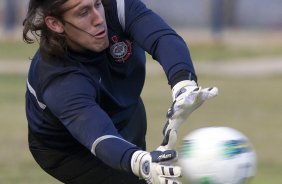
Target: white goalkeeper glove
[
  {"x": 151, "y": 167},
  {"x": 187, "y": 96}
]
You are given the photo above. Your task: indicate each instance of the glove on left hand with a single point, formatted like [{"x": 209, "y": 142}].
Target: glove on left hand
[
  {"x": 151, "y": 166},
  {"x": 187, "y": 96}
]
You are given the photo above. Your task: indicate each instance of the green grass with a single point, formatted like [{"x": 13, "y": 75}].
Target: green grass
[
  {"x": 16, "y": 163},
  {"x": 213, "y": 52},
  {"x": 18, "y": 50},
  {"x": 251, "y": 105}
]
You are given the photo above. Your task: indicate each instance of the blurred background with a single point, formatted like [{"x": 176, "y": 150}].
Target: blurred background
[{"x": 235, "y": 45}]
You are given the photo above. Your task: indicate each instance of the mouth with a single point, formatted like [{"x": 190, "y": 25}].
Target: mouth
[{"x": 101, "y": 34}]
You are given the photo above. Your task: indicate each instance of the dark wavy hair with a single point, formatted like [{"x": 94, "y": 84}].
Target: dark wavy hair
[{"x": 50, "y": 42}]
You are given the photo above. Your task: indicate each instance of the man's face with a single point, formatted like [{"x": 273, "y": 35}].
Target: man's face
[{"x": 85, "y": 25}]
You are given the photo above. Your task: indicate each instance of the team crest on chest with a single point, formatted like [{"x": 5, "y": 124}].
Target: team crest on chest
[{"x": 120, "y": 50}]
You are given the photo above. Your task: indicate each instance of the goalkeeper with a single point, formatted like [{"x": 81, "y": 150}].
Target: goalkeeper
[{"x": 86, "y": 119}]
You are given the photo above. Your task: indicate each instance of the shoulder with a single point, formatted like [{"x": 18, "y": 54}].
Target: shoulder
[
  {"x": 45, "y": 71},
  {"x": 119, "y": 11},
  {"x": 114, "y": 12}
]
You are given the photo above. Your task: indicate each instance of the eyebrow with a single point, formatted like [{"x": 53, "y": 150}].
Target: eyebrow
[
  {"x": 71, "y": 7},
  {"x": 81, "y": 7}
]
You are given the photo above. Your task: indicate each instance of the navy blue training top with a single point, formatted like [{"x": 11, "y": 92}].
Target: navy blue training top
[{"x": 78, "y": 100}]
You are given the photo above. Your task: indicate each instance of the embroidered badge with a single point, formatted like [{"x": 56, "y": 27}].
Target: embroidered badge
[{"x": 120, "y": 50}]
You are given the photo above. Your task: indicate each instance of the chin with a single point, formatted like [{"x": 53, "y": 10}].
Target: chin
[{"x": 101, "y": 47}]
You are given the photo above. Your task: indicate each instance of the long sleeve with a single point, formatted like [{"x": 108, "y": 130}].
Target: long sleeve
[
  {"x": 72, "y": 98},
  {"x": 157, "y": 38}
]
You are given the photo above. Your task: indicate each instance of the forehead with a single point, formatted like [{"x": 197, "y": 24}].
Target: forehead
[{"x": 76, "y": 4}]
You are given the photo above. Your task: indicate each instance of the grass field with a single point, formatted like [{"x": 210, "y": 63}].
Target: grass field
[
  {"x": 201, "y": 51},
  {"x": 251, "y": 105}
]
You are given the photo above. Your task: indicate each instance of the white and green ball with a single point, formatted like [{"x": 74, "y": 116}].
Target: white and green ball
[{"x": 217, "y": 155}]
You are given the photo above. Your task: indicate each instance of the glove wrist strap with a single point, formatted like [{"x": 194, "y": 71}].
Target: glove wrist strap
[{"x": 136, "y": 162}]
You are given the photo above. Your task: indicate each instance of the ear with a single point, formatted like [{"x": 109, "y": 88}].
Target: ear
[{"x": 54, "y": 24}]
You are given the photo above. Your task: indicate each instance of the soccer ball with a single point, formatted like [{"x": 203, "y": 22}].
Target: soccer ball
[{"x": 217, "y": 155}]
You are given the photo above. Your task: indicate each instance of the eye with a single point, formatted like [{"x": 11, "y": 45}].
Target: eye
[
  {"x": 84, "y": 12},
  {"x": 98, "y": 4}
]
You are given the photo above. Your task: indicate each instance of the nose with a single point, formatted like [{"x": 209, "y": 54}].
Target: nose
[{"x": 97, "y": 16}]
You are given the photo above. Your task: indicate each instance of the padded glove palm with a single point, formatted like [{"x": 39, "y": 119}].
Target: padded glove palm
[{"x": 187, "y": 96}]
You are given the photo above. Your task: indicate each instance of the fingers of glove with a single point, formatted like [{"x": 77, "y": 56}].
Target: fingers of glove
[
  {"x": 168, "y": 171},
  {"x": 169, "y": 141},
  {"x": 209, "y": 93},
  {"x": 164, "y": 180},
  {"x": 196, "y": 98},
  {"x": 188, "y": 97}
]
